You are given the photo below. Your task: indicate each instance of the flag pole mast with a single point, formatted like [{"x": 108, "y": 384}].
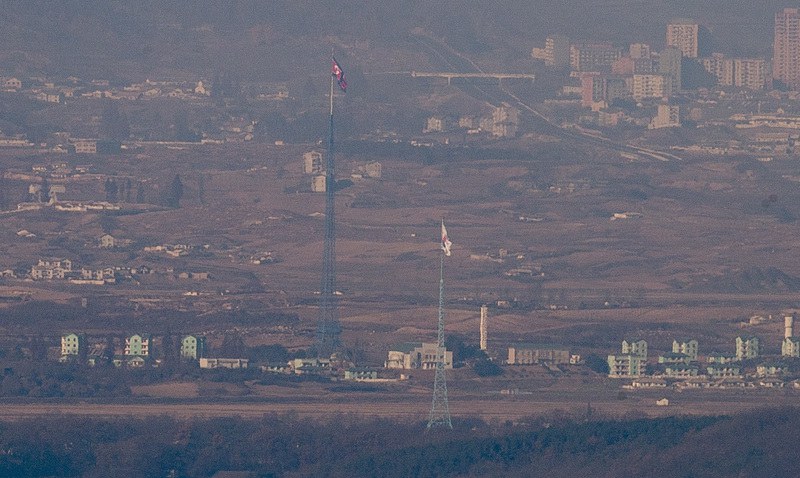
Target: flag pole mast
[
  {"x": 440, "y": 408},
  {"x": 329, "y": 329}
]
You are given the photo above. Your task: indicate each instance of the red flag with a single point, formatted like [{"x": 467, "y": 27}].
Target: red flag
[{"x": 337, "y": 72}]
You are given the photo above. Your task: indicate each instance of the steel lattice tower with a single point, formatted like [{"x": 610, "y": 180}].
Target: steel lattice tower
[
  {"x": 440, "y": 410},
  {"x": 328, "y": 329}
]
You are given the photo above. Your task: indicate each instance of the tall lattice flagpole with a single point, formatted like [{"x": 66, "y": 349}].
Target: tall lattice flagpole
[
  {"x": 440, "y": 409},
  {"x": 328, "y": 329}
]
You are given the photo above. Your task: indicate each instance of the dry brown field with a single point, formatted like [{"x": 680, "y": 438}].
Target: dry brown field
[{"x": 711, "y": 243}]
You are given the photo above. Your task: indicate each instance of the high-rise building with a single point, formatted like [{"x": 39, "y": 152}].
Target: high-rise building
[
  {"x": 651, "y": 86},
  {"x": 593, "y": 56},
  {"x": 555, "y": 51},
  {"x": 669, "y": 65},
  {"x": 750, "y": 73},
  {"x": 683, "y": 34},
  {"x": 720, "y": 67},
  {"x": 786, "y": 47},
  {"x": 669, "y": 116},
  {"x": 638, "y": 51}
]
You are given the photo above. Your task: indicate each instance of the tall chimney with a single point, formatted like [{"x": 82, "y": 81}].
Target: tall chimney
[
  {"x": 788, "y": 322},
  {"x": 484, "y": 326}
]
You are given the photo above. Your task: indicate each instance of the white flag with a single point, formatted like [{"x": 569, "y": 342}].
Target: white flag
[{"x": 445, "y": 241}]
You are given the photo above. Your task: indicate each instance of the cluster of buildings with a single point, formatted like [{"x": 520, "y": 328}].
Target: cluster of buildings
[
  {"x": 135, "y": 351},
  {"x": 62, "y": 269},
  {"x": 66, "y": 270},
  {"x": 314, "y": 165},
  {"x": 503, "y": 122},
  {"x": 684, "y": 361},
  {"x": 605, "y": 72}
]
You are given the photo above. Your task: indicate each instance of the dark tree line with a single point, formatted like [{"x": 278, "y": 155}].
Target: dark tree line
[{"x": 755, "y": 444}]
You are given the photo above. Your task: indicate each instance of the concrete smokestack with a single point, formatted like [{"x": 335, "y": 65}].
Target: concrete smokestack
[
  {"x": 788, "y": 322},
  {"x": 484, "y": 326}
]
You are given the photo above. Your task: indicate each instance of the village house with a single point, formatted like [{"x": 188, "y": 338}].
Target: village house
[
  {"x": 107, "y": 241},
  {"x": 51, "y": 269},
  {"x": 137, "y": 345},
  {"x": 71, "y": 345}
]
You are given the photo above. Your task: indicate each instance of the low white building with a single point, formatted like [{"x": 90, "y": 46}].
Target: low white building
[
  {"x": 232, "y": 363},
  {"x": 417, "y": 355}
]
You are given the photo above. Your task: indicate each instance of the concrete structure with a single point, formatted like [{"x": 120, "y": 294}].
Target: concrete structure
[
  {"x": 750, "y": 73},
  {"x": 71, "y": 345},
  {"x": 527, "y": 354},
  {"x": 417, "y": 355},
  {"x": 635, "y": 347},
  {"x": 373, "y": 170},
  {"x": 484, "y": 327},
  {"x": 720, "y": 358},
  {"x": 360, "y": 374},
  {"x": 434, "y": 124},
  {"x": 786, "y": 48},
  {"x": 232, "y": 363},
  {"x": 639, "y": 51},
  {"x": 51, "y": 269},
  {"x": 593, "y": 56},
  {"x": 593, "y": 91},
  {"x": 85, "y": 146},
  {"x": 555, "y": 52},
  {"x": 668, "y": 116},
  {"x": 107, "y": 241},
  {"x": 790, "y": 347},
  {"x": 318, "y": 184},
  {"x": 686, "y": 347},
  {"x": 625, "y": 366},
  {"x": 505, "y": 121},
  {"x": 720, "y": 67},
  {"x": 683, "y": 34},
  {"x": 193, "y": 347},
  {"x": 651, "y": 86},
  {"x": 669, "y": 65},
  {"x": 674, "y": 358},
  {"x": 680, "y": 371},
  {"x": 770, "y": 369},
  {"x": 747, "y": 347},
  {"x": 723, "y": 371},
  {"x": 312, "y": 162}
]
